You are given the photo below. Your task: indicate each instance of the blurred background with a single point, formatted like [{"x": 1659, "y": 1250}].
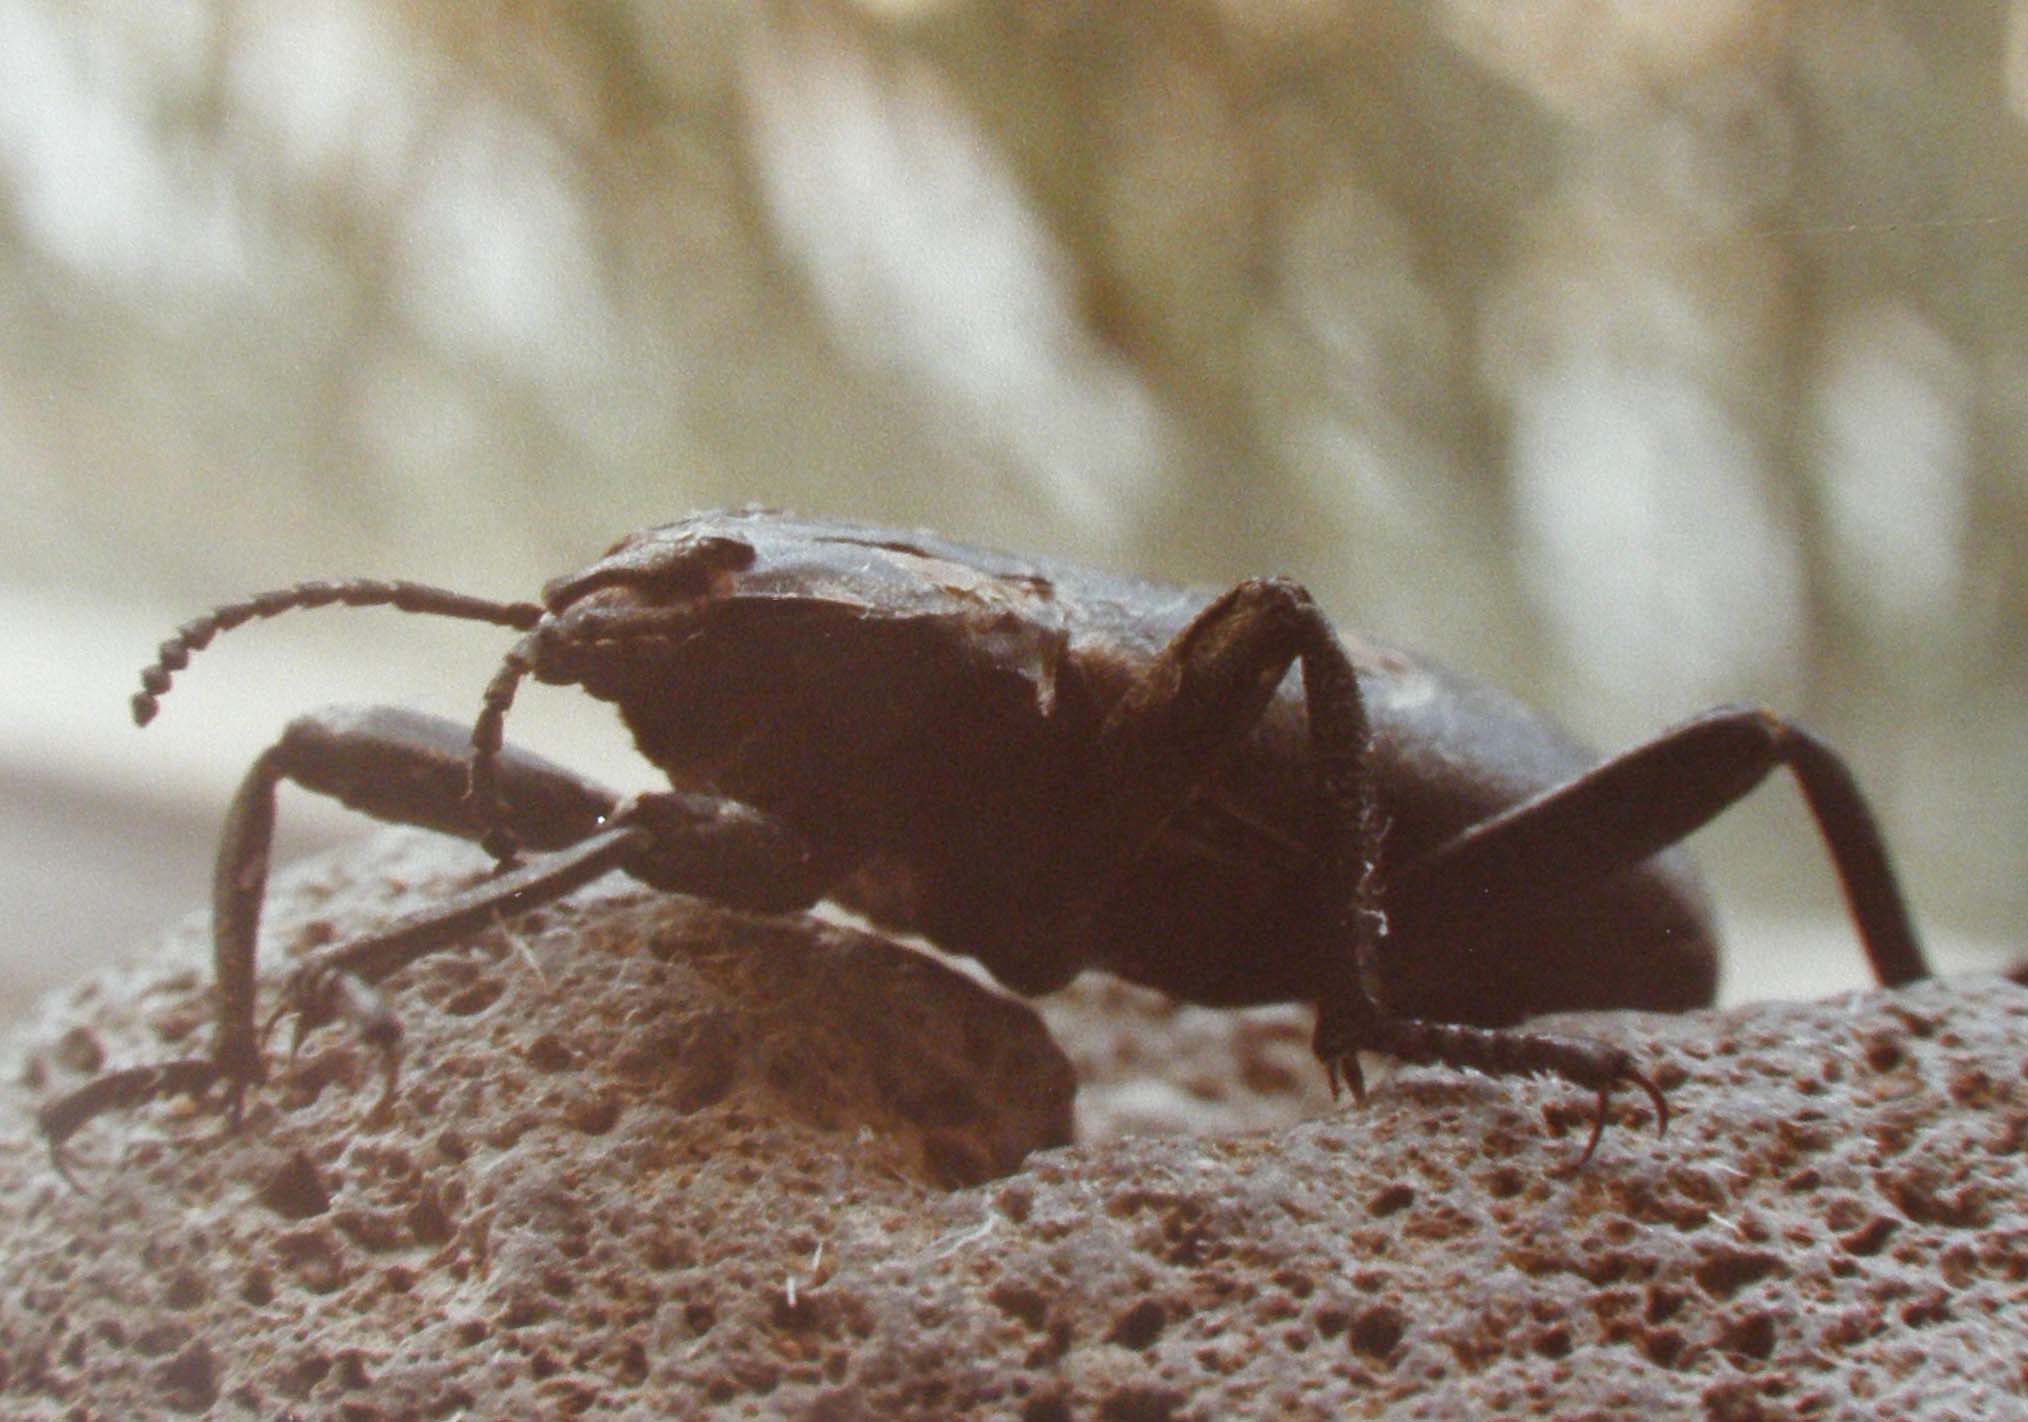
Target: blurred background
[{"x": 1636, "y": 357}]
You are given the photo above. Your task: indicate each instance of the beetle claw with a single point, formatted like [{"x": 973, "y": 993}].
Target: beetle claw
[
  {"x": 1605, "y": 1091},
  {"x": 1347, "y": 1072},
  {"x": 59, "y": 1157},
  {"x": 1655, "y": 1095},
  {"x": 318, "y": 994},
  {"x": 118, "y": 1091}
]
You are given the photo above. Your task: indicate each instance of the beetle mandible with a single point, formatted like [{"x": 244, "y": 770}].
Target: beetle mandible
[{"x": 1049, "y": 769}]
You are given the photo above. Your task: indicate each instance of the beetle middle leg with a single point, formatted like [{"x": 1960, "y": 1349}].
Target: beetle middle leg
[
  {"x": 405, "y": 767},
  {"x": 1165, "y": 741}
]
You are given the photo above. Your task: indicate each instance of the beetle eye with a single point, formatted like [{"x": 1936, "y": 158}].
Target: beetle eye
[
  {"x": 718, "y": 554},
  {"x": 691, "y": 568},
  {"x": 678, "y": 566}
]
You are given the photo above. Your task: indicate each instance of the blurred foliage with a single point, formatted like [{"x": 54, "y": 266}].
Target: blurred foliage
[{"x": 1640, "y": 357}]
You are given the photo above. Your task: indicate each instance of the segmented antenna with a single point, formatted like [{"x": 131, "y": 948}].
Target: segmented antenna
[
  {"x": 195, "y": 635},
  {"x": 488, "y": 732},
  {"x": 482, "y": 786}
]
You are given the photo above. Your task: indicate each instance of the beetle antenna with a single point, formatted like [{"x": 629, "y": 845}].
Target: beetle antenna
[
  {"x": 482, "y": 785},
  {"x": 488, "y": 734},
  {"x": 195, "y": 635}
]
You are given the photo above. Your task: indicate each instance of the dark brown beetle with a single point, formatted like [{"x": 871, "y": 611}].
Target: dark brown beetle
[{"x": 1049, "y": 769}]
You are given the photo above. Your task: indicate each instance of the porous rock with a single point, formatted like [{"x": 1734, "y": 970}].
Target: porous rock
[{"x": 650, "y": 1159}]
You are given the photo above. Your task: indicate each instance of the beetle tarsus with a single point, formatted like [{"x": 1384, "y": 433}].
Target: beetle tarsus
[
  {"x": 315, "y": 995},
  {"x": 1582, "y": 1061},
  {"x": 118, "y": 1091},
  {"x": 375, "y": 1022}
]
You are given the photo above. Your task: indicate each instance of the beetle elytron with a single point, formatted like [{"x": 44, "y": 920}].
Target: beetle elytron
[{"x": 1049, "y": 769}]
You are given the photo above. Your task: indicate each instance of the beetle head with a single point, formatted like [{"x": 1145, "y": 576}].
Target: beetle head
[
  {"x": 773, "y": 566},
  {"x": 741, "y": 645},
  {"x": 671, "y": 604}
]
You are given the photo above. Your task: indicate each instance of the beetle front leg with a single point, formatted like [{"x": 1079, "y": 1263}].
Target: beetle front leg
[
  {"x": 718, "y": 849},
  {"x": 406, "y": 767},
  {"x": 399, "y": 766},
  {"x": 1167, "y": 737},
  {"x": 396, "y": 765}
]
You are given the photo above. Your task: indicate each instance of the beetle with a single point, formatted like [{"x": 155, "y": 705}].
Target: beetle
[{"x": 1047, "y": 768}]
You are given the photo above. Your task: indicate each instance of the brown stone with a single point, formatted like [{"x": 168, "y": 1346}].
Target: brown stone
[{"x": 651, "y": 1159}]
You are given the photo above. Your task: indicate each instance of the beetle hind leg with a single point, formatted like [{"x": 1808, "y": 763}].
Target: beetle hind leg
[{"x": 1642, "y": 801}]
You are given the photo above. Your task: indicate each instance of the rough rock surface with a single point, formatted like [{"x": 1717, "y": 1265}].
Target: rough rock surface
[{"x": 654, "y": 1160}]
